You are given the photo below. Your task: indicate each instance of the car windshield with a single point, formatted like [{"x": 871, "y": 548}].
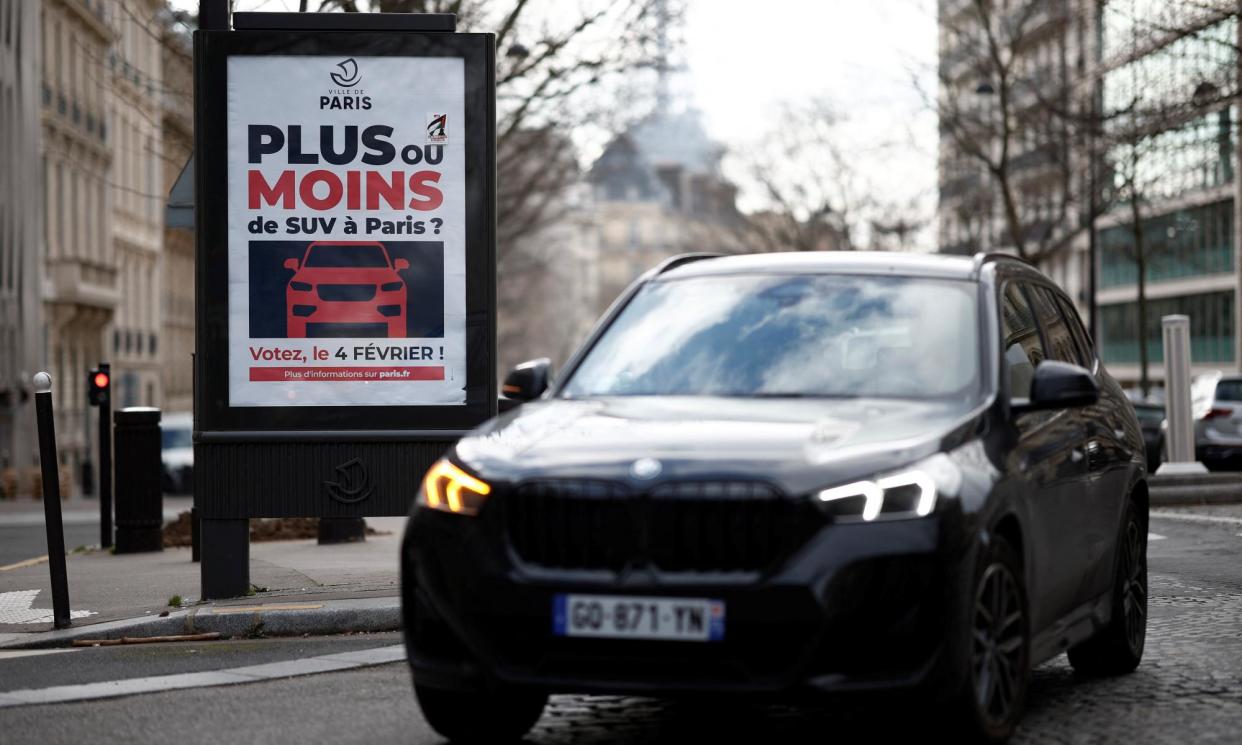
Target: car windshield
[
  {"x": 362, "y": 256},
  {"x": 176, "y": 438},
  {"x": 774, "y": 336}
]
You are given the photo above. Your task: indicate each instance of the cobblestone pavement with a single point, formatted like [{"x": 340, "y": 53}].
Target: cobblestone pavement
[{"x": 1188, "y": 689}]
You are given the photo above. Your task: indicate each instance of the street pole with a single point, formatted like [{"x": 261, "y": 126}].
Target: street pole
[
  {"x": 105, "y": 463},
  {"x": 51, "y": 500},
  {"x": 224, "y": 543}
]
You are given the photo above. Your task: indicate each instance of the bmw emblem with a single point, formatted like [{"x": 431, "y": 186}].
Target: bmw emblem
[{"x": 646, "y": 468}]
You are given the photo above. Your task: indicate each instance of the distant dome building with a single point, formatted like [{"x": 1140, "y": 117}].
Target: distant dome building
[{"x": 658, "y": 191}]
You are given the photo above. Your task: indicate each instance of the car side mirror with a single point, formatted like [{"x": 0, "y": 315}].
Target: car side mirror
[
  {"x": 400, "y": 264},
  {"x": 291, "y": 264},
  {"x": 528, "y": 381},
  {"x": 1060, "y": 385}
]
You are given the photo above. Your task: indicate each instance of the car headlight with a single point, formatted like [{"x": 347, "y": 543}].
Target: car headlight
[
  {"x": 450, "y": 489},
  {"x": 910, "y": 492}
]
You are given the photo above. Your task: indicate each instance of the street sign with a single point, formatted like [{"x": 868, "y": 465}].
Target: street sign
[{"x": 345, "y": 216}]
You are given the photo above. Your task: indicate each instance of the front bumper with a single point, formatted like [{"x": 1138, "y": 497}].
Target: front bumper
[{"x": 857, "y": 607}]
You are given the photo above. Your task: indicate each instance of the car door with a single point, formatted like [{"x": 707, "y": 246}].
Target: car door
[
  {"x": 1112, "y": 436},
  {"x": 1049, "y": 462}
]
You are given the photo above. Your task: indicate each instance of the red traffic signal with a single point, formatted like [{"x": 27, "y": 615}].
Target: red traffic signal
[{"x": 98, "y": 386}]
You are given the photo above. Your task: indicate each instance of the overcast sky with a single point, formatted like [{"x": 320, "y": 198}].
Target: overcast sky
[{"x": 860, "y": 55}]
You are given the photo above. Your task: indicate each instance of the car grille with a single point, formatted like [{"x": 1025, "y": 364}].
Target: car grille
[
  {"x": 702, "y": 526},
  {"x": 346, "y": 293}
]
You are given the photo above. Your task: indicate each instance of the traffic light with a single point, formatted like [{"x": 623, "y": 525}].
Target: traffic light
[{"x": 99, "y": 384}]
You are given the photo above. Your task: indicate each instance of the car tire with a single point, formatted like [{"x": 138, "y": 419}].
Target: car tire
[
  {"x": 1118, "y": 648},
  {"x": 993, "y": 693},
  {"x": 493, "y": 716}
]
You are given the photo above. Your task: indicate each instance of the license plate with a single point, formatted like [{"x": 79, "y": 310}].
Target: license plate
[{"x": 626, "y": 617}]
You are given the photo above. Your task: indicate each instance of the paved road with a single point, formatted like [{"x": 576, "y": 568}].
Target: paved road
[
  {"x": 21, "y": 542},
  {"x": 1188, "y": 690}
]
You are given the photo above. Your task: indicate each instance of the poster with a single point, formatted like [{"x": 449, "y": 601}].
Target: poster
[{"x": 346, "y": 231}]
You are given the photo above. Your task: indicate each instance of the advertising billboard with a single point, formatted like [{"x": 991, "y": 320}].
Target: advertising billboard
[
  {"x": 345, "y": 275},
  {"x": 346, "y": 231}
]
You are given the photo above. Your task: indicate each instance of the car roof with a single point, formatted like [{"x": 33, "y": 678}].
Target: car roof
[
  {"x": 940, "y": 266},
  {"x": 177, "y": 419}
]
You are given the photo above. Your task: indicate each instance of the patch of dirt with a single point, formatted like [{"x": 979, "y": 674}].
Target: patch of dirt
[{"x": 177, "y": 533}]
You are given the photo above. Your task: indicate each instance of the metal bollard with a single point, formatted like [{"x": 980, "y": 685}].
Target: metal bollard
[
  {"x": 51, "y": 500},
  {"x": 1181, "y": 434},
  {"x": 139, "y": 487}
]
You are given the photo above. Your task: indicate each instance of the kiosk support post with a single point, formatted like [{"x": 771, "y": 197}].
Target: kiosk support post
[
  {"x": 225, "y": 561},
  {"x": 224, "y": 544}
]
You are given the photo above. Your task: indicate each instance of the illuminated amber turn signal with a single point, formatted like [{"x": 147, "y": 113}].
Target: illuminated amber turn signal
[{"x": 446, "y": 487}]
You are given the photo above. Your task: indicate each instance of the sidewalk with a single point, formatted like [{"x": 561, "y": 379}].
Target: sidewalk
[{"x": 296, "y": 577}]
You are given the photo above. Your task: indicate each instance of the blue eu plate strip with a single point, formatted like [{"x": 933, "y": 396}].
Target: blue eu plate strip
[
  {"x": 715, "y": 629},
  {"x": 560, "y": 615}
]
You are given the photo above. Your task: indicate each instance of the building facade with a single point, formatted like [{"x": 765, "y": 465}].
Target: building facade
[
  {"x": 1014, "y": 122},
  {"x": 657, "y": 191},
  {"x": 176, "y": 336},
  {"x": 86, "y": 167},
  {"x": 138, "y": 198},
  {"x": 1148, "y": 109},
  {"x": 80, "y": 285},
  {"x": 21, "y": 203},
  {"x": 1174, "y": 165}
]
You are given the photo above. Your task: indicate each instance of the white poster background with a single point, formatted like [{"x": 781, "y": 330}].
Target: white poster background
[{"x": 403, "y": 91}]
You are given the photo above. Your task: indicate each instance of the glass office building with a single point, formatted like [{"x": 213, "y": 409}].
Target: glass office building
[{"x": 1181, "y": 170}]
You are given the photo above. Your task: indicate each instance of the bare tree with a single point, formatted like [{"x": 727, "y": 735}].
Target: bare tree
[
  {"x": 1001, "y": 98},
  {"x": 814, "y": 197},
  {"x": 553, "y": 71}
]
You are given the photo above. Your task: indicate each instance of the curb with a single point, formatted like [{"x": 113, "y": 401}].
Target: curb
[
  {"x": 318, "y": 618},
  {"x": 1192, "y": 489}
]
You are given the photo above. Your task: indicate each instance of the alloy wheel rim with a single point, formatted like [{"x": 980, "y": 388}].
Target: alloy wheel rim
[
  {"x": 1134, "y": 592},
  {"x": 998, "y": 645}
]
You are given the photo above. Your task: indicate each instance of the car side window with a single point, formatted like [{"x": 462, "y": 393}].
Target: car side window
[
  {"x": 1020, "y": 341},
  {"x": 1058, "y": 343},
  {"x": 1078, "y": 331}
]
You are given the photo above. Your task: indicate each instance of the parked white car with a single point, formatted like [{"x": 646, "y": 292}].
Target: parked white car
[
  {"x": 1217, "y": 410},
  {"x": 177, "y": 452}
]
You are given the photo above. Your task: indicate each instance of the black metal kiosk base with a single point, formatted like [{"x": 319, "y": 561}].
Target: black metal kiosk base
[
  {"x": 225, "y": 562},
  {"x": 342, "y": 530}
]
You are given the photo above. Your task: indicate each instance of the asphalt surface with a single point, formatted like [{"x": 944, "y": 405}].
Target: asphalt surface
[
  {"x": 21, "y": 542},
  {"x": 1189, "y": 688}
]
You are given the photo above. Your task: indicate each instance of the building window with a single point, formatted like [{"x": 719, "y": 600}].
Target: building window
[
  {"x": 1185, "y": 243},
  {"x": 1211, "y": 328}
]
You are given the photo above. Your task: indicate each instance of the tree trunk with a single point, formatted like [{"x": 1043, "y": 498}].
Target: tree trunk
[
  {"x": 1140, "y": 262},
  {"x": 1237, "y": 207}
]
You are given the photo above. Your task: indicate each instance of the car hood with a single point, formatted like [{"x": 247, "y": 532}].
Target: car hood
[{"x": 802, "y": 443}]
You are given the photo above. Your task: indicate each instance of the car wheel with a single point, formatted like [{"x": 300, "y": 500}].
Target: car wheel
[
  {"x": 1118, "y": 649},
  {"x": 497, "y": 715},
  {"x": 988, "y": 707}
]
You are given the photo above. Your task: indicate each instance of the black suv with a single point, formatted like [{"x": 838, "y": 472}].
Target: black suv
[{"x": 789, "y": 472}]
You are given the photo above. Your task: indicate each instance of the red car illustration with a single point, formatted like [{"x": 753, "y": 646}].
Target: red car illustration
[{"x": 346, "y": 289}]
